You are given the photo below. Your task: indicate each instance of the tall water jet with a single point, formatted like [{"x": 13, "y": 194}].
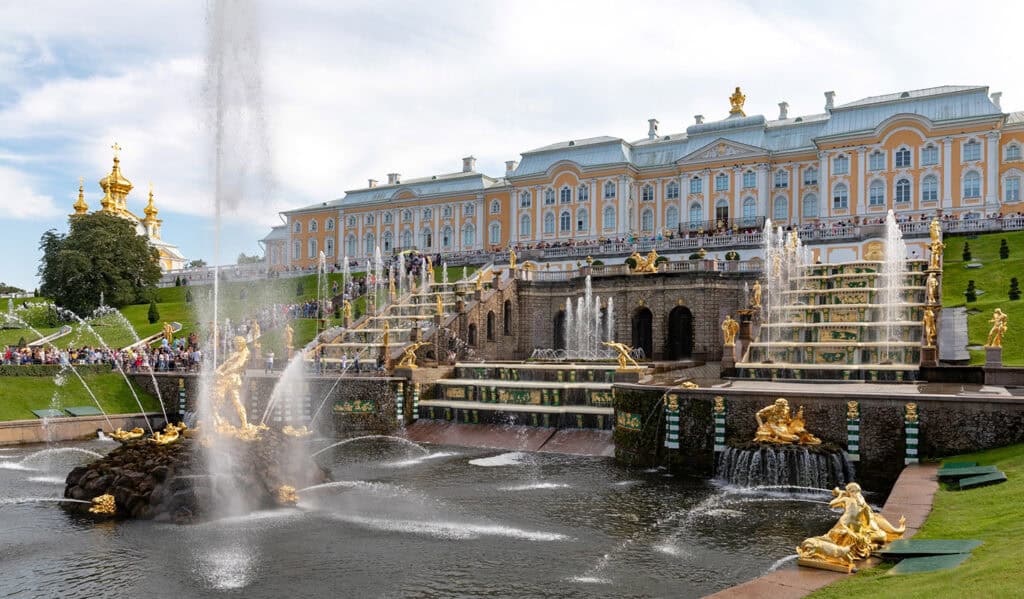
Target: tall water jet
[
  {"x": 894, "y": 273},
  {"x": 583, "y": 325}
]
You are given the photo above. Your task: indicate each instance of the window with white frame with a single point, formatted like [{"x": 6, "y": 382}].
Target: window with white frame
[
  {"x": 972, "y": 185},
  {"x": 672, "y": 218},
  {"x": 672, "y": 190},
  {"x": 369, "y": 244},
  {"x": 609, "y": 190},
  {"x": 298, "y": 226},
  {"x": 524, "y": 226},
  {"x": 329, "y": 247},
  {"x": 876, "y": 193},
  {"x": 810, "y": 206},
  {"x": 902, "y": 191},
  {"x": 352, "y": 222},
  {"x": 609, "y": 218},
  {"x": 971, "y": 151},
  {"x": 811, "y": 175},
  {"x": 749, "y": 211},
  {"x": 647, "y": 193},
  {"x": 840, "y": 197},
  {"x": 468, "y": 235},
  {"x": 647, "y": 220},
  {"x": 780, "y": 210},
  {"x": 841, "y": 165},
  {"x": 903, "y": 159},
  {"x": 468, "y": 209},
  {"x": 549, "y": 197},
  {"x": 722, "y": 211},
  {"x": 781, "y": 179},
  {"x": 406, "y": 239},
  {"x": 495, "y": 207},
  {"x": 329, "y": 225},
  {"x": 549, "y": 223},
  {"x": 696, "y": 213},
  {"x": 749, "y": 179},
  {"x": 696, "y": 185},
  {"x": 427, "y": 214},
  {"x": 370, "y": 220},
  {"x": 314, "y": 226},
  {"x": 929, "y": 188},
  {"x": 1013, "y": 152},
  {"x": 565, "y": 221},
  {"x": 930, "y": 155},
  {"x": 446, "y": 212},
  {"x": 876, "y": 161},
  {"x": 388, "y": 218},
  {"x": 446, "y": 237},
  {"x": 565, "y": 195},
  {"x": 350, "y": 245},
  {"x": 1011, "y": 189},
  {"x": 387, "y": 240},
  {"x": 311, "y": 248},
  {"x": 721, "y": 182},
  {"x": 525, "y": 199},
  {"x": 583, "y": 193},
  {"x": 427, "y": 238},
  {"x": 296, "y": 249},
  {"x": 407, "y": 216},
  {"x": 582, "y": 222},
  {"x": 494, "y": 233}
]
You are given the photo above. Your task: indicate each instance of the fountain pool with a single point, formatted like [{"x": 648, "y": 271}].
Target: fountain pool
[{"x": 454, "y": 522}]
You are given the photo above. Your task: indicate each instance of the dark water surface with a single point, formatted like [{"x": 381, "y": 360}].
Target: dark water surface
[{"x": 457, "y": 523}]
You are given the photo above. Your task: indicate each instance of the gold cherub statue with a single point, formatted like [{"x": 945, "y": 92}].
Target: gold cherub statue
[
  {"x": 227, "y": 386},
  {"x": 995, "y": 335},
  {"x": 408, "y": 359},
  {"x": 929, "y": 327},
  {"x": 755, "y": 300},
  {"x": 729, "y": 329},
  {"x": 775, "y": 425},
  {"x": 626, "y": 361}
]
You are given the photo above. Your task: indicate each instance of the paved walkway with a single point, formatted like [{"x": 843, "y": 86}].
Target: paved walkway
[{"x": 911, "y": 496}]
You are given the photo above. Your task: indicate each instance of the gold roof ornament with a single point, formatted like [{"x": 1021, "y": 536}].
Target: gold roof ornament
[
  {"x": 736, "y": 100},
  {"x": 115, "y": 186},
  {"x": 80, "y": 206}
]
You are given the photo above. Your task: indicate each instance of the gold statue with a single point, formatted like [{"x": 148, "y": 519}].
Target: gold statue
[
  {"x": 227, "y": 385},
  {"x": 626, "y": 361},
  {"x": 169, "y": 435},
  {"x": 440, "y": 305},
  {"x": 689, "y": 385},
  {"x": 736, "y": 100},
  {"x": 122, "y": 435},
  {"x": 256, "y": 333},
  {"x": 479, "y": 285},
  {"x": 729, "y": 329},
  {"x": 346, "y": 309},
  {"x": 929, "y": 327},
  {"x": 911, "y": 415},
  {"x": 512, "y": 259},
  {"x": 936, "y": 246},
  {"x": 168, "y": 333},
  {"x": 286, "y": 495},
  {"x": 858, "y": 532},
  {"x": 644, "y": 264},
  {"x": 935, "y": 230},
  {"x": 103, "y": 505},
  {"x": 391, "y": 289},
  {"x": 289, "y": 336},
  {"x": 995, "y": 336},
  {"x": 430, "y": 268},
  {"x": 408, "y": 359},
  {"x": 932, "y": 286},
  {"x": 755, "y": 301},
  {"x": 387, "y": 337},
  {"x": 775, "y": 425}
]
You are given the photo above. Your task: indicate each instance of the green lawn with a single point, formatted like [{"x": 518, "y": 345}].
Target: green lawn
[
  {"x": 992, "y": 281},
  {"x": 992, "y": 514},
  {"x": 21, "y": 394}
]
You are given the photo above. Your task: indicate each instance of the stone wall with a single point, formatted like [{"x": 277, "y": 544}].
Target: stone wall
[{"x": 477, "y": 344}]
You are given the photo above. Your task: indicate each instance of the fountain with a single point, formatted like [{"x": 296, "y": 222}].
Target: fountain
[{"x": 587, "y": 326}]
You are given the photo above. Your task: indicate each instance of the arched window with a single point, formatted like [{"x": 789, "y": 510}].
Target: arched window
[
  {"x": 582, "y": 222},
  {"x": 903, "y": 190},
  {"x": 472, "y": 335},
  {"x": 1011, "y": 189},
  {"x": 749, "y": 211},
  {"x": 780, "y": 210},
  {"x": 696, "y": 214},
  {"x": 647, "y": 193},
  {"x": 549, "y": 196},
  {"x": 350, "y": 245},
  {"x": 296, "y": 249},
  {"x": 1013, "y": 152},
  {"x": 549, "y": 223},
  {"x": 722, "y": 211},
  {"x": 972, "y": 185},
  {"x": 406, "y": 239},
  {"x": 609, "y": 190},
  {"x": 494, "y": 234},
  {"x": 468, "y": 235},
  {"x": 311, "y": 248},
  {"x": 298, "y": 226},
  {"x": 329, "y": 247},
  {"x": 506, "y": 317},
  {"x": 446, "y": 237},
  {"x": 565, "y": 195},
  {"x": 876, "y": 161},
  {"x": 903, "y": 159},
  {"x": 647, "y": 220},
  {"x": 490, "y": 325},
  {"x": 929, "y": 188},
  {"x": 696, "y": 185},
  {"x": 427, "y": 238},
  {"x": 525, "y": 200},
  {"x": 495, "y": 207},
  {"x": 524, "y": 226},
  {"x": 565, "y": 221},
  {"x": 721, "y": 182},
  {"x": 672, "y": 218},
  {"x": 388, "y": 241},
  {"x": 971, "y": 151},
  {"x": 781, "y": 179},
  {"x": 583, "y": 193},
  {"x": 811, "y": 175},
  {"x": 876, "y": 193},
  {"x": 840, "y": 197},
  {"x": 407, "y": 216},
  {"x": 930, "y": 155},
  {"x": 329, "y": 225},
  {"x": 609, "y": 217},
  {"x": 672, "y": 190},
  {"x": 749, "y": 179},
  {"x": 369, "y": 244},
  {"x": 810, "y": 206}
]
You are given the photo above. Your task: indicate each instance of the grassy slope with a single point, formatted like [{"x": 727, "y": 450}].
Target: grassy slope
[
  {"x": 993, "y": 514},
  {"x": 21, "y": 394},
  {"x": 994, "y": 279}
]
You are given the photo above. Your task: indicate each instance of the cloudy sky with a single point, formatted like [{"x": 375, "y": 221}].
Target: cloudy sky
[{"x": 355, "y": 90}]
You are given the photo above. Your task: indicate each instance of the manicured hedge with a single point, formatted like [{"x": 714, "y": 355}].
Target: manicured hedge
[{"x": 49, "y": 370}]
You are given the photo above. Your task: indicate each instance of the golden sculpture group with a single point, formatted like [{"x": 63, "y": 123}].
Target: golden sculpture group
[
  {"x": 935, "y": 246},
  {"x": 729, "y": 329},
  {"x": 775, "y": 425},
  {"x": 999, "y": 325},
  {"x": 644, "y": 264},
  {"x": 226, "y": 387}
]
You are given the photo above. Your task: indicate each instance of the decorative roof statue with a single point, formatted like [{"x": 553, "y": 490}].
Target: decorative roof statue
[
  {"x": 775, "y": 425},
  {"x": 736, "y": 100},
  {"x": 995, "y": 335}
]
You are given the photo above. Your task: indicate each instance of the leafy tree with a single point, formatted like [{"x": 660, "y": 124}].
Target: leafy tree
[
  {"x": 244, "y": 259},
  {"x": 196, "y": 264},
  {"x": 967, "y": 252},
  {"x": 22, "y": 342},
  {"x": 100, "y": 254},
  {"x": 5, "y": 288},
  {"x": 177, "y": 281},
  {"x": 1004, "y": 250},
  {"x": 1014, "y": 289},
  {"x": 154, "y": 313},
  {"x": 971, "y": 294}
]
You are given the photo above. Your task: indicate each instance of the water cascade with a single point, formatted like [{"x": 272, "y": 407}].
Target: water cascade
[{"x": 783, "y": 465}]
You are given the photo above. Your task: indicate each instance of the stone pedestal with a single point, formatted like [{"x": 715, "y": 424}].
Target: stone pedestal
[
  {"x": 993, "y": 357},
  {"x": 628, "y": 375},
  {"x": 728, "y": 356},
  {"x": 346, "y": 322},
  {"x": 929, "y": 356},
  {"x": 404, "y": 373}
]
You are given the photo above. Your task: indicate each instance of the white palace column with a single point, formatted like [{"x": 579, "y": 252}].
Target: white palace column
[
  {"x": 436, "y": 213},
  {"x": 825, "y": 185},
  {"x": 762, "y": 190},
  {"x": 594, "y": 204},
  {"x": 860, "y": 204},
  {"x": 794, "y": 198},
  {"x": 709, "y": 211},
  {"x": 513, "y": 211},
  {"x": 992, "y": 172},
  {"x": 947, "y": 173},
  {"x": 478, "y": 221},
  {"x": 621, "y": 217},
  {"x": 659, "y": 218},
  {"x": 417, "y": 211}
]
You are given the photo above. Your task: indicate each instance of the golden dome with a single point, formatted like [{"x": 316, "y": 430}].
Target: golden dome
[
  {"x": 151, "y": 210},
  {"x": 80, "y": 206},
  {"x": 115, "y": 186}
]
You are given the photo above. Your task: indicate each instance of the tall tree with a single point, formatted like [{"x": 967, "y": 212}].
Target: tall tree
[{"x": 100, "y": 254}]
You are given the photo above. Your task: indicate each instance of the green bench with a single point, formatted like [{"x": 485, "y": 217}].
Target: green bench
[
  {"x": 83, "y": 411},
  {"x": 972, "y": 482},
  {"x": 958, "y": 473}
]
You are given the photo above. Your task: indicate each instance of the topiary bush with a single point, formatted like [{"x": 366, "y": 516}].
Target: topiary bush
[
  {"x": 154, "y": 314},
  {"x": 967, "y": 252},
  {"x": 188, "y": 296},
  {"x": 298, "y": 288},
  {"x": 660, "y": 260},
  {"x": 732, "y": 255},
  {"x": 971, "y": 294},
  {"x": 1014, "y": 289},
  {"x": 1004, "y": 250}
]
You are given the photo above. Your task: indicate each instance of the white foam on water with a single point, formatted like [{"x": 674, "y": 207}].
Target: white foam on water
[
  {"x": 673, "y": 550},
  {"x": 590, "y": 580},
  {"x": 778, "y": 563},
  {"x": 536, "y": 486},
  {"x": 449, "y": 530},
  {"x": 52, "y": 480},
  {"x": 506, "y": 459},
  {"x": 226, "y": 569},
  {"x": 627, "y": 483},
  {"x": 420, "y": 459}
]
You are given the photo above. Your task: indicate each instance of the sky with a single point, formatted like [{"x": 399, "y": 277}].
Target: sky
[{"x": 341, "y": 92}]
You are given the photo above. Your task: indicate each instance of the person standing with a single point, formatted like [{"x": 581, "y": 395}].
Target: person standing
[{"x": 269, "y": 365}]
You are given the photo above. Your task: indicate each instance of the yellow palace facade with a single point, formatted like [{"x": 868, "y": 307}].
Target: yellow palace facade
[{"x": 947, "y": 150}]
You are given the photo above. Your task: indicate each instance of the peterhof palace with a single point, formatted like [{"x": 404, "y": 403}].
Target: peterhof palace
[{"x": 947, "y": 151}]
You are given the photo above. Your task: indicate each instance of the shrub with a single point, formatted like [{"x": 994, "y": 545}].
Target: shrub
[
  {"x": 597, "y": 263},
  {"x": 22, "y": 342},
  {"x": 188, "y": 296},
  {"x": 971, "y": 294},
  {"x": 177, "y": 281},
  {"x": 696, "y": 256},
  {"x": 631, "y": 262},
  {"x": 967, "y": 252},
  {"x": 660, "y": 260},
  {"x": 1014, "y": 289},
  {"x": 732, "y": 255},
  {"x": 154, "y": 313},
  {"x": 298, "y": 288},
  {"x": 1004, "y": 250}
]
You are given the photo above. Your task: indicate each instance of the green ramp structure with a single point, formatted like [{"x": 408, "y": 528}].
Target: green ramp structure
[
  {"x": 48, "y": 413},
  {"x": 83, "y": 411}
]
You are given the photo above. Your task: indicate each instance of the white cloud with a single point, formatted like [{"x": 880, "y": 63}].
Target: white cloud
[{"x": 19, "y": 199}]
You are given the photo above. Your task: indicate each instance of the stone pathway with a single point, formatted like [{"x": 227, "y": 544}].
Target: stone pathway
[{"x": 911, "y": 496}]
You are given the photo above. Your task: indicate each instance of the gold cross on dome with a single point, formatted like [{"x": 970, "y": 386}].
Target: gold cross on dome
[{"x": 116, "y": 149}]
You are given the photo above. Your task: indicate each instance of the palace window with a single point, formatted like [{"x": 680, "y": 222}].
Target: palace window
[
  {"x": 565, "y": 195},
  {"x": 565, "y": 221},
  {"x": 525, "y": 199},
  {"x": 903, "y": 158},
  {"x": 609, "y": 190},
  {"x": 406, "y": 239},
  {"x": 427, "y": 214},
  {"x": 407, "y": 216},
  {"x": 972, "y": 185},
  {"x": 468, "y": 235},
  {"x": 810, "y": 176},
  {"x": 672, "y": 218},
  {"x": 930, "y": 155},
  {"x": 971, "y": 151},
  {"x": 841, "y": 165},
  {"x": 696, "y": 185},
  {"x": 495, "y": 207},
  {"x": 388, "y": 218},
  {"x": 388, "y": 241},
  {"x": 1013, "y": 152},
  {"x": 749, "y": 180},
  {"x": 467, "y": 209},
  {"x": 781, "y": 179},
  {"x": 647, "y": 194},
  {"x": 427, "y": 238},
  {"x": 672, "y": 190},
  {"x": 370, "y": 220},
  {"x": 810, "y": 206},
  {"x": 876, "y": 161},
  {"x": 930, "y": 188},
  {"x": 876, "y": 194},
  {"x": 352, "y": 222},
  {"x": 583, "y": 193},
  {"x": 609, "y": 218},
  {"x": 446, "y": 212},
  {"x": 903, "y": 190},
  {"x": 721, "y": 182},
  {"x": 296, "y": 249},
  {"x": 350, "y": 245},
  {"x": 780, "y": 211},
  {"x": 311, "y": 248},
  {"x": 446, "y": 237},
  {"x": 749, "y": 211},
  {"x": 582, "y": 223},
  {"x": 549, "y": 197},
  {"x": 722, "y": 211},
  {"x": 840, "y": 197},
  {"x": 369, "y": 244},
  {"x": 696, "y": 214},
  {"x": 549, "y": 223},
  {"x": 524, "y": 226},
  {"x": 647, "y": 220},
  {"x": 329, "y": 247},
  {"x": 1011, "y": 189},
  {"x": 494, "y": 234},
  {"x": 313, "y": 227},
  {"x": 298, "y": 226},
  {"x": 330, "y": 224}
]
